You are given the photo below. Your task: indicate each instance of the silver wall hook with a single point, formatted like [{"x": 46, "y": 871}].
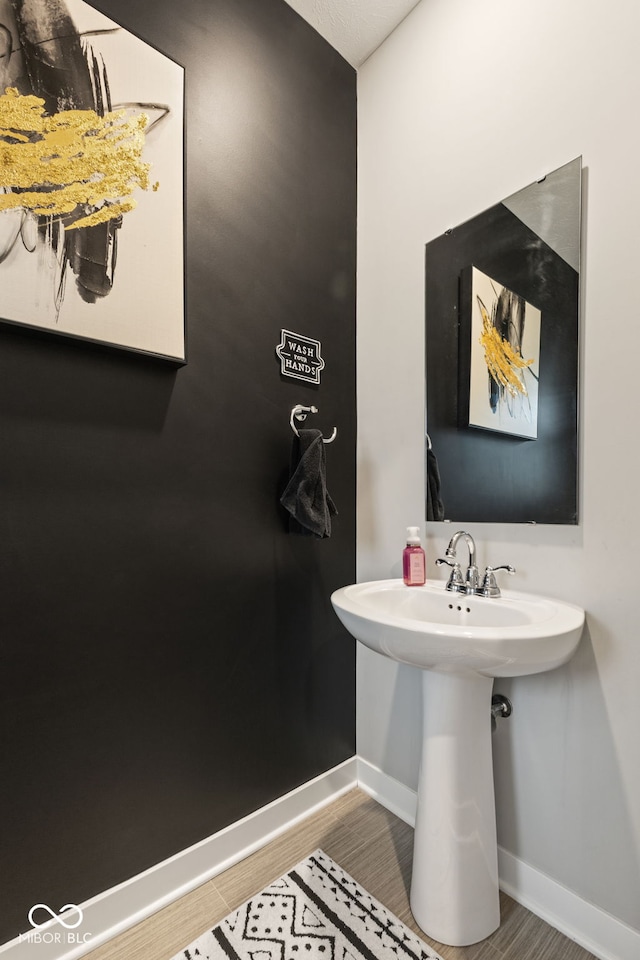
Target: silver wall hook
[{"x": 300, "y": 412}]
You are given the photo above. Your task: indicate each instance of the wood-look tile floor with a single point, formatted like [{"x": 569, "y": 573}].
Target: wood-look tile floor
[{"x": 371, "y": 844}]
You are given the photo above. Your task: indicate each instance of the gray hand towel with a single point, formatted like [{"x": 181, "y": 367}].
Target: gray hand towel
[
  {"x": 435, "y": 506},
  {"x": 306, "y": 497}
]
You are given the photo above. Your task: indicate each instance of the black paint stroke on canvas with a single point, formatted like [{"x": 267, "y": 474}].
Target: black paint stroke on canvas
[{"x": 507, "y": 316}]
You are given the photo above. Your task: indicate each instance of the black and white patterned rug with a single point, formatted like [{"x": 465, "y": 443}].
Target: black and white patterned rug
[{"x": 314, "y": 912}]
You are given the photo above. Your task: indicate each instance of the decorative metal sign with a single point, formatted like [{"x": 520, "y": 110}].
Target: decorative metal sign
[{"x": 300, "y": 357}]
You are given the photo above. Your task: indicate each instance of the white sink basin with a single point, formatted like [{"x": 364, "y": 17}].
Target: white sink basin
[
  {"x": 461, "y": 643},
  {"x": 513, "y": 635}
]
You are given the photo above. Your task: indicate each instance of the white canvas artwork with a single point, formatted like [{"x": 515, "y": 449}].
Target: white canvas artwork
[
  {"x": 91, "y": 179},
  {"x": 505, "y": 359}
]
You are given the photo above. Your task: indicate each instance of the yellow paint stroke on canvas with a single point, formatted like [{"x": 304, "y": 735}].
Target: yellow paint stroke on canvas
[
  {"x": 71, "y": 163},
  {"x": 503, "y": 362}
]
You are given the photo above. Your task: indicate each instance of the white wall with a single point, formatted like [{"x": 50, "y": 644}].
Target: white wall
[{"x": 464, "y": 104}]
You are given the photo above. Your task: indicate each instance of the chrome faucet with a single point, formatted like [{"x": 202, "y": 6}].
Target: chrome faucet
[
  {"x": 456, "y": 583},
  {"x": 470, "y": 583}
]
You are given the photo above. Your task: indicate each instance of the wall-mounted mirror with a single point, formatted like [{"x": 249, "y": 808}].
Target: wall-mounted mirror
[{"x": 502, "y": 294}]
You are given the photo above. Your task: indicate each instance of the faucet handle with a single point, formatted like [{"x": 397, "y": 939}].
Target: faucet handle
[
  {"x": 489, "y": 586},
  {"x": 455, "y": 583}
]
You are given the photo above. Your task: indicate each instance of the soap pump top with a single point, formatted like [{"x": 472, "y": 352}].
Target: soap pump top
[{"x": 413, "y": 536}]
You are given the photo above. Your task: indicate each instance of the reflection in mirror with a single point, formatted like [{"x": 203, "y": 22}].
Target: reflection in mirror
[{"x": 502, "y": 359}]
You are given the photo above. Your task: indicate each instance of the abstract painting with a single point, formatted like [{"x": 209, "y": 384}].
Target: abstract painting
[
  {"x": 505, "y": 359},
  {"x": 91, "y": 179}
]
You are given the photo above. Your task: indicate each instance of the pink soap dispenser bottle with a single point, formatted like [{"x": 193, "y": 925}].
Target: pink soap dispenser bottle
[{"x": 413, "y": 560}]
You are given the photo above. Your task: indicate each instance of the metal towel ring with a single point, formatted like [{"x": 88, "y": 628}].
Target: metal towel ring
[{"x": 300, "y": 413}]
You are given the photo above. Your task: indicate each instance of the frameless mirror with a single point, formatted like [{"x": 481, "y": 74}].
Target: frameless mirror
[{"x": 502, "y": 293}]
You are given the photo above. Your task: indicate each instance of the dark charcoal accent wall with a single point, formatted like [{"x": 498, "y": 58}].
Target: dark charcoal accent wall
[{"x": 170, "y": 661}]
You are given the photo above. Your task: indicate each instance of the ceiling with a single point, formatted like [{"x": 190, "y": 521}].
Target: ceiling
[{"x": 354, "y": 27}]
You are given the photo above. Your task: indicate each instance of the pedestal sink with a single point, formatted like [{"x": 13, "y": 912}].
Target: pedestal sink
[{"x": 461, "y": 643}]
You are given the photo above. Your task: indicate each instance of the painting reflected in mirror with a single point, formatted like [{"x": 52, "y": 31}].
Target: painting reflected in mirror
[{"x": 502, "y": 303}]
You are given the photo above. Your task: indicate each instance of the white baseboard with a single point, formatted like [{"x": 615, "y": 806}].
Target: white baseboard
[
  {"x": 390, "y": 793},
  {"x": 121, "y": 907},
  {"x": 597, "y": 931}
]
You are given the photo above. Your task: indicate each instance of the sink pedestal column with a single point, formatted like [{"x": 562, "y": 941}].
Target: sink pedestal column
[{"x": 454, "y": 889}]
